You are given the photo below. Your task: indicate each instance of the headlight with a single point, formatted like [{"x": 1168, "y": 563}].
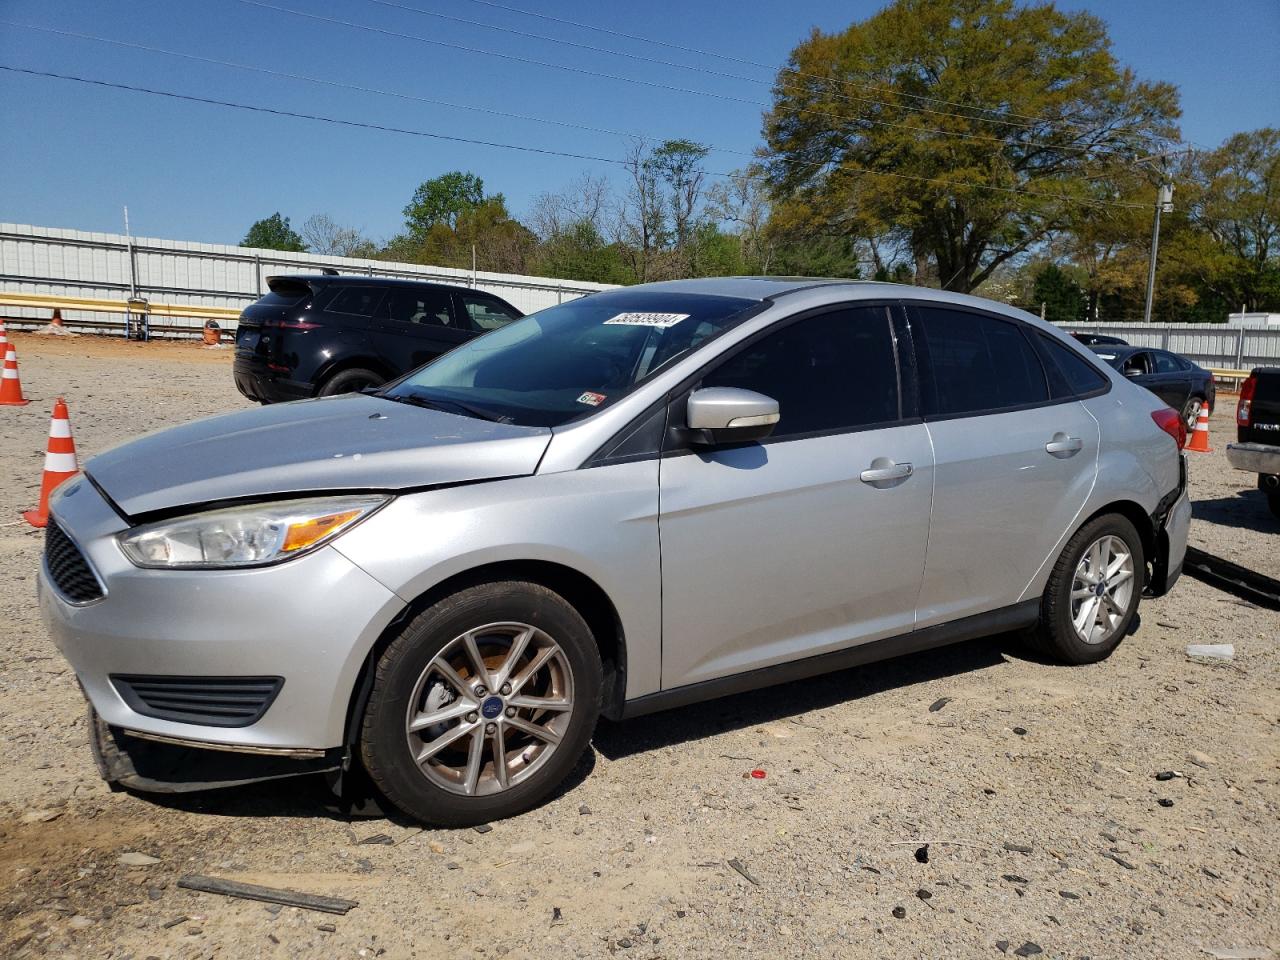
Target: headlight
[{"x": 248, "y": 536}]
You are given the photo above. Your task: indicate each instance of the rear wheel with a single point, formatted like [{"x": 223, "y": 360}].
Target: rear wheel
[
  {"x": 483, "y": 704},
  {"x": 1093, "y": 592},
  {"x": 1191, "y": 412},
  {"x": 350, "y": 381}
]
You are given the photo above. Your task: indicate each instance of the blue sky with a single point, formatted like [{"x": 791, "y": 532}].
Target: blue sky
[{"x": 73, "y": 155}]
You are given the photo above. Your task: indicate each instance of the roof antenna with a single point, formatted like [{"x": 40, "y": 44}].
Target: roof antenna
[{"x": 329, "y": 272}]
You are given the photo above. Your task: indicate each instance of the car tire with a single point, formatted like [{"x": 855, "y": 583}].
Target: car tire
[
  {"x": 411, "y": 684},
  {"x": 350, "y": 381},
  {"x": 1062, "y": 605},
  {"x": 1191, "y": 411}
]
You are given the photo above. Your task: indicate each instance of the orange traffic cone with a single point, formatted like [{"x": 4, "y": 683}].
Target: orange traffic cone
[
  {"x": 57, "y": 318},
  {"x": 59, "y": 462},
  {"x": 10, "y": 385},
  {"x": 1200, "y": 435}
]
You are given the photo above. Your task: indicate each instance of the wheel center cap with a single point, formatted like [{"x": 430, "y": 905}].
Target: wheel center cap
[
  {"x": 491, "y": 708},
  {"x": 1100, "y": 589}
]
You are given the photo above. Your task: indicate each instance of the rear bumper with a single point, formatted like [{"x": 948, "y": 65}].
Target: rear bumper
[
  {"x": 1254, "y": 457},
  {"x": 1172, "y": 521},
  {"x": 256, "y": 382}
]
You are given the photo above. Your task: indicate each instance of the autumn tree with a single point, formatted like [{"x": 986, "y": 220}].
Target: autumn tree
[{"x": 969, "y": 127}]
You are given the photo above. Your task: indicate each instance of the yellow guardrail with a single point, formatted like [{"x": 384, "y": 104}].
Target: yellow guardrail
[
  {"x": 101, "y": 305},
  {"x": 1226, "y": 373}
]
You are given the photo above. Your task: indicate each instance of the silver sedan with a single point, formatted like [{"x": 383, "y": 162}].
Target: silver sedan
[{"x": 625, "y": 503}]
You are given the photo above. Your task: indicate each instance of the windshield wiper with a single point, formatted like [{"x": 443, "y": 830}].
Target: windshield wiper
[{"x": 448, "y": 405}]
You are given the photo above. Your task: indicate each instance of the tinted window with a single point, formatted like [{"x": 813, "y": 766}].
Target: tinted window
[
  {"x": 424, "y": 306},
  {"x": 975, "y": 362},
  {"x": 829, "y": 372},
  {"x": 361, "y": 301},
  {"x": 485, "y": 312},
  {"x": 1136, "y": 365},
  {"x": 1081, "y": 376},
  {"x": 1167, "y": 363}
]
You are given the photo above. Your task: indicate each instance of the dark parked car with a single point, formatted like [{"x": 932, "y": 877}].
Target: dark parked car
[
  {"x": 1099, "y": 339},
  {"x": 1177, "y": 381},
  {"x": 320, "y": 335}
]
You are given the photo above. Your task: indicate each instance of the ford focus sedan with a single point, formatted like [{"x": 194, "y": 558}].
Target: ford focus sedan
[{"x": 630, "y": 502}]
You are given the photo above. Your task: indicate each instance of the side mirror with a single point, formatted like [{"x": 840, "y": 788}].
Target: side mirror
[{"x": 718, "y": 415}]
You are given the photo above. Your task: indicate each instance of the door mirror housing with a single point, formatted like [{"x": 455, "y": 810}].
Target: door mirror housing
[{"x": 719, "y": 415}]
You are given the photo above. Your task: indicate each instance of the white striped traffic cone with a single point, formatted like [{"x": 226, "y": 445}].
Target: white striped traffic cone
[
  {"x": 59, "y": 462},
  {"x": 1200, "y": 435},
  {"x": 10, "y": 385}
]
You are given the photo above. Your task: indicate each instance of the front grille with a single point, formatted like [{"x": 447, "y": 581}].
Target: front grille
[
  {"x": 211, "y": 701},
  {"x": 68, "y": 569}
]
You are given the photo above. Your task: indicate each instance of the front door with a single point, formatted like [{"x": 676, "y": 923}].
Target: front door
[
  {"x": 813, "y": 540},
  {"x": 418, "y": 324},
  {"x": 1015, "y": 460}
]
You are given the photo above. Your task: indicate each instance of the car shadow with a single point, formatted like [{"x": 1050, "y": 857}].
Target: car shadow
[
  {"x": 615, "y": 740},
  {"x": 1247, "y": 510}
]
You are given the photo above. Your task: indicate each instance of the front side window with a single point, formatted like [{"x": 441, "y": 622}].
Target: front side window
[
  {"x": 568, "y": 361},
  {"x": 486, "y": 313},
  {"x": 1136, "y": 365},
  {"x": 975, "y": 363},
  {"x": 358, "y": 301},
  {"x": 425, "y": 306},
  {"x": 834, "y": 371}
]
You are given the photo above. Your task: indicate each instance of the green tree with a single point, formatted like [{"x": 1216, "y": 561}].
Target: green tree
[
  {"x": 443, "y": 200},
  {"x": 959, "y": 124},
  {"x": 1061, "y": 297},
  {"x": 273, "y": 233}
]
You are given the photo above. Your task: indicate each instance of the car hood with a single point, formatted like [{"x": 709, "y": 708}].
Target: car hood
[{"x": 350, "y": 442}]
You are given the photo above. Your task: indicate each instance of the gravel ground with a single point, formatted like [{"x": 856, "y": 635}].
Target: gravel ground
[{"x": 1032, "y": 784}]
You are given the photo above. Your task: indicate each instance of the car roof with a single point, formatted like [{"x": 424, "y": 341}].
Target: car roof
[
  {"x": 1116, "y": 349},
  {"x": 375, "y": 280}
]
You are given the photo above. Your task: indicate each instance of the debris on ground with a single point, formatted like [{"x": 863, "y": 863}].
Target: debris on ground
[
  {"x": 252, "y": 891},
  {"x": 741, "y": 868},
  {"x": 939, "y": 704},
  {"x": 1211, "y": 651}
]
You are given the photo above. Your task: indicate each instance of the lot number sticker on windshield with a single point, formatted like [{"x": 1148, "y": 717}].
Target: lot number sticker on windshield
[
  {"x": 659, "y": 320},
  {"x": 592, "y": 399}
]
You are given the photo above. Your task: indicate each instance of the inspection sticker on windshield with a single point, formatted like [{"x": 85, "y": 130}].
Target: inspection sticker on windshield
[
  {"x": 592, "y": 399},
  {"x": 659, "y": 320}
]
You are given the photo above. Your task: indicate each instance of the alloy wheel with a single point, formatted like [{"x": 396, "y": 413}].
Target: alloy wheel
[
  {"x": 1102, "y": 589},
  {"x": 1193, "y": 412},
  {"x": 490, "y": 709}
]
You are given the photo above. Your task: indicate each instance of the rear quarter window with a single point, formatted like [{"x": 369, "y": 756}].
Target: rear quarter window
[
  {"x": 1081, "y": 376},
  {"x": 358, "y": 301}
]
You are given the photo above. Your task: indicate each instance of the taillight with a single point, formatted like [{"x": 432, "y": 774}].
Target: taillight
[
  {"x": 1170, "y": 421},
  {"x": 291, "y": 324},
  {"x": 1244, "y": 409}
]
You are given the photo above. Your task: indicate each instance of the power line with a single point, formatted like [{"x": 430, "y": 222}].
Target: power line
[
  {"x": 385, "y": 128},
  {"x": 128, "y": 44},
  {"x": 1035, "y": 121},
  {"x": 985, "y": 138}
]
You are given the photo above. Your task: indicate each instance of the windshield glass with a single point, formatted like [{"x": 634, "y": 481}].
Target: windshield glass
[{"x": 570, "y": 360}]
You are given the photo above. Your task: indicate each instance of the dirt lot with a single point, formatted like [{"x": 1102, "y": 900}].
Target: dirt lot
[{"x": 1033, "y": 785}]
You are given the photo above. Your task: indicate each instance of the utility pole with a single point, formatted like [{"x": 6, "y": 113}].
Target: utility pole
[{"x": 1164, "y": 204}]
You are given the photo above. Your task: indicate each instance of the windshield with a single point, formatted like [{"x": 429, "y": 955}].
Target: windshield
[{"x": 570, "y": 360}]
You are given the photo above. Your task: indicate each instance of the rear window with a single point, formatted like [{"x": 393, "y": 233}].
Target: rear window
[
  {"x": 284, "y": 293},
  {"x": 360, "y": 301},
  {"x": 976, "y": 363},
  {"x": 1081, "y": 376}
]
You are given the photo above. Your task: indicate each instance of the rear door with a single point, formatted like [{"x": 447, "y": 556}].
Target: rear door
[
  {"x": 417, "y": 324},
  {"x": 793, "y": 547},
  {"x": 1170, "y": 379},
  {"x": 1014, "y": 463}
]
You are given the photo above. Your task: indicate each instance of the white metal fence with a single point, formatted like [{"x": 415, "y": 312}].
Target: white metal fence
[
  {"x": 47, "y": 260},
  {"x": 1208, "y": 344}
]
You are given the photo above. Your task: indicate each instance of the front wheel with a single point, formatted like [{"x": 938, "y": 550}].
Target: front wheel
[
  {"x": 1093, "y": 592},
  {"x": 482, "y": 705}
]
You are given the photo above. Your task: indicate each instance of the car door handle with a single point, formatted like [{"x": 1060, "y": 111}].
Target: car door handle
[
  {"x": 882, "y": 469},
  {"x": 1062, "y": 446}
]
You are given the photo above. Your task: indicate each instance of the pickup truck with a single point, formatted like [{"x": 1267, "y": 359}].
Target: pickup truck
[{"x": 1257, "y": 446}]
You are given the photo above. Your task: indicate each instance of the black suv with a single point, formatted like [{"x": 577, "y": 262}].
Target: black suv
[{"x": 319, "y": 335}]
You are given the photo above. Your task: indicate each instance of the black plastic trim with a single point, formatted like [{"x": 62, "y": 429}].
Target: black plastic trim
[
  {"x": 207, "y": 701},
  {"x": 1015, "y": 617}
]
